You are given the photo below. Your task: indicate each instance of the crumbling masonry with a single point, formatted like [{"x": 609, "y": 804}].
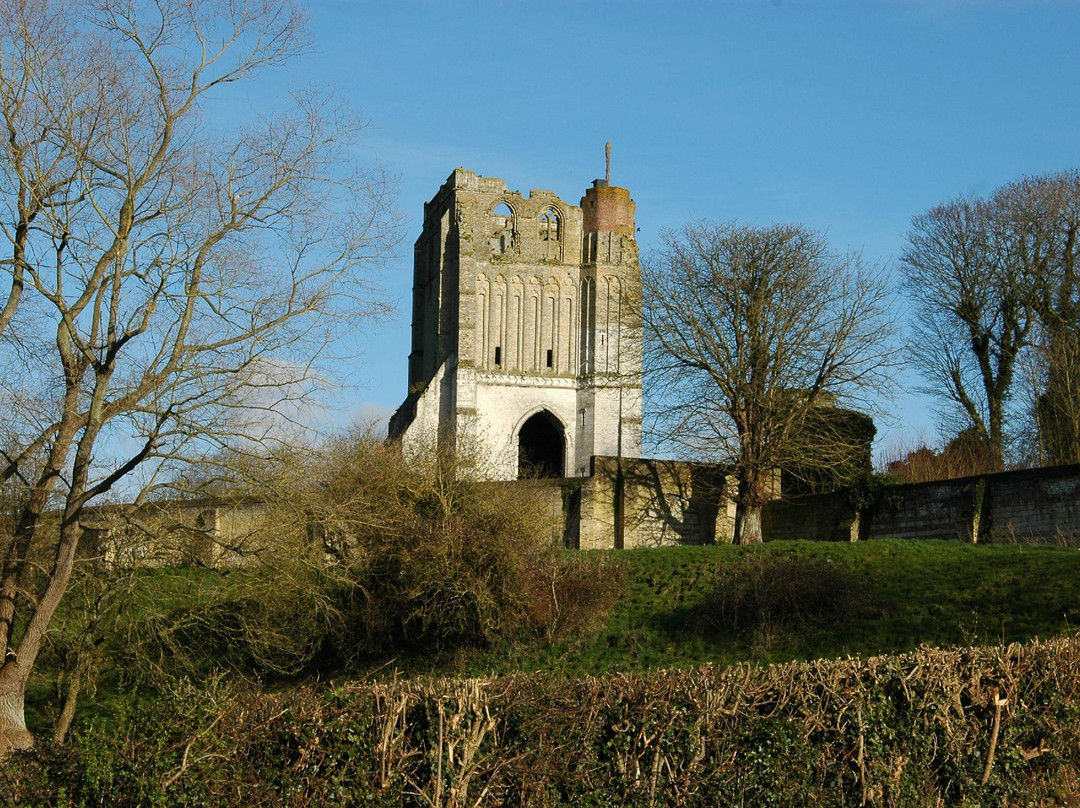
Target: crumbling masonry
[
  {"x": 526, "y": 345},
  {"x": 526, "y": 361}
]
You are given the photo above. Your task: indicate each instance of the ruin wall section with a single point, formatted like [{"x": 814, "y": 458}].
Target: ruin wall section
[
  {"x": 666, "y": 502},
  {"x": 1041, "y": 505},
  {"x": 523, "y": 305}
]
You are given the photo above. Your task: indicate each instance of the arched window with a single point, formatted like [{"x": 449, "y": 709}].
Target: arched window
[
  {"x": 549, "y": 226},
  {"x": 541, "y": 447},
  {"x": 586, "y": 340},
  {"x": 551, "y": 234},
  {"x": 502, "y": 229}
]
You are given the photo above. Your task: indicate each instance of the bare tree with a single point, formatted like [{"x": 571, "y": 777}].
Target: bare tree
[
  {"x": 158, "y": 269},
  {"x": 749, "y": 330},
  {"x": 992, "y": 278},
  {"x": 973, "y": 315},
  {"x": 1046, "y": 212}
]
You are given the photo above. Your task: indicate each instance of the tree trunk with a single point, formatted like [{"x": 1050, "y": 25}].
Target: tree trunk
[
  {"x": 750, "y": 500},
  {"x": 997, "y": 435},
  {"x": 13, "y": 732},
  {"x": 72, "y": 688},
  {"x": 748, "y": 524}
]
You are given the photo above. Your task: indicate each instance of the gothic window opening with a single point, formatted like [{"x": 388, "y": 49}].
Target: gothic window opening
[
  {"x": 553, "y": 326},
  {"x": 550, "y": 233},
  {"x": 541, "y": 447},
  {"x": 549, "y": 226},
  {"x": 502, "y": 229}
]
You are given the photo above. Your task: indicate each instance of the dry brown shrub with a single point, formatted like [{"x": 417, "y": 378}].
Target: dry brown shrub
[{"x": 365, "y": 555}]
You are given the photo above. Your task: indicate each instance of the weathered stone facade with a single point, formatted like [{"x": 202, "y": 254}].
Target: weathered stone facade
[
  {"x": 526, "y": 359},
  {"x": 206, "y": 532},
  {"x": 526, "y": 345},
  {"x": 664, "y": 502},
  {"x": 1039, "y": 505}
]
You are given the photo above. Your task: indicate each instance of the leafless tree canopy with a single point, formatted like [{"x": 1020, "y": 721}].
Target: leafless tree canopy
[
  {"x": 1052, "y": 236},
  {"x": 750, "y": 329},
  {"x": 158, "y": 268},
  {"x": 994, "y": 280},
  {"x": 972, "y": 296}
]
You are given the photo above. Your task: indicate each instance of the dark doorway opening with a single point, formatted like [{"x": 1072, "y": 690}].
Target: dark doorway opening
[{"x": 541, "y": 447}]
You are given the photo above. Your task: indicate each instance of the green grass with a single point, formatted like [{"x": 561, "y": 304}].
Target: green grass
[
  {"x": 145, "y": 593},
  {"x": 893, "y": 596},
  {"x": 899, "y": 594}
]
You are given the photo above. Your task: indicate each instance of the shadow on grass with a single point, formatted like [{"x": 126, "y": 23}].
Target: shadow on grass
[{"x": 771, "y": 607}]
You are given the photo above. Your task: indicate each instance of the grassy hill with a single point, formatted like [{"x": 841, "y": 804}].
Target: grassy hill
[
  {"x": 804, "y": 600},
  {"x": 915, "y": 729},
  {"x": 684, "y": 606}
]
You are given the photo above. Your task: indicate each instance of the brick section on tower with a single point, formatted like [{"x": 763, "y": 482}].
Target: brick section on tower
[{"x": 607, "y": 209}]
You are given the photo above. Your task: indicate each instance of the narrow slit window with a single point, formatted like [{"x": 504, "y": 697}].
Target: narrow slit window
[
  {"x": 498, "y": 355},
  {"x": 549, "y": 357}
]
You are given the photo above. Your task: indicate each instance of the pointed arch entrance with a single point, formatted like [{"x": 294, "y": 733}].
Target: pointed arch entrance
[{"x": 541, "y": 447}]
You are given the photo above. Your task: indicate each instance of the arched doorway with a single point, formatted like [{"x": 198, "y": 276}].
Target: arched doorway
[{"x": 541, "y": 447}]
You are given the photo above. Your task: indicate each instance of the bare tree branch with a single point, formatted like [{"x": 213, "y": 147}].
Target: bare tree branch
[
  {"x": 160, "y": 271},
  {"x": 750, "y": 332}
]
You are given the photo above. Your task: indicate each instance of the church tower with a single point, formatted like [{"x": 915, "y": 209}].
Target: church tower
[{"x": 526, "y": 342}]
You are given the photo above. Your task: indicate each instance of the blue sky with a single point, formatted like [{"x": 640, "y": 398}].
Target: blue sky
[{"x": 848, "y": 117}]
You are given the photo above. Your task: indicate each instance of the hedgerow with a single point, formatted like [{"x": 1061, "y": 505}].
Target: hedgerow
[{"x": 967, "y": 726}]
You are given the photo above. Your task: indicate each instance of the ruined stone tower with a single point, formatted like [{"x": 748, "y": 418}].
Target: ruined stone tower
[{"x": 526, "y": 349}]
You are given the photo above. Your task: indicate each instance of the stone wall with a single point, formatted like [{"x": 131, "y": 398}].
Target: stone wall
[
  {"x": 1043, "y": 505},
  {"x": 665, "y": 502},
  {"x": 1029, "y": 505},
  {"x": 204, "y": 532},
  {"x": 819, "y": 517}
]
